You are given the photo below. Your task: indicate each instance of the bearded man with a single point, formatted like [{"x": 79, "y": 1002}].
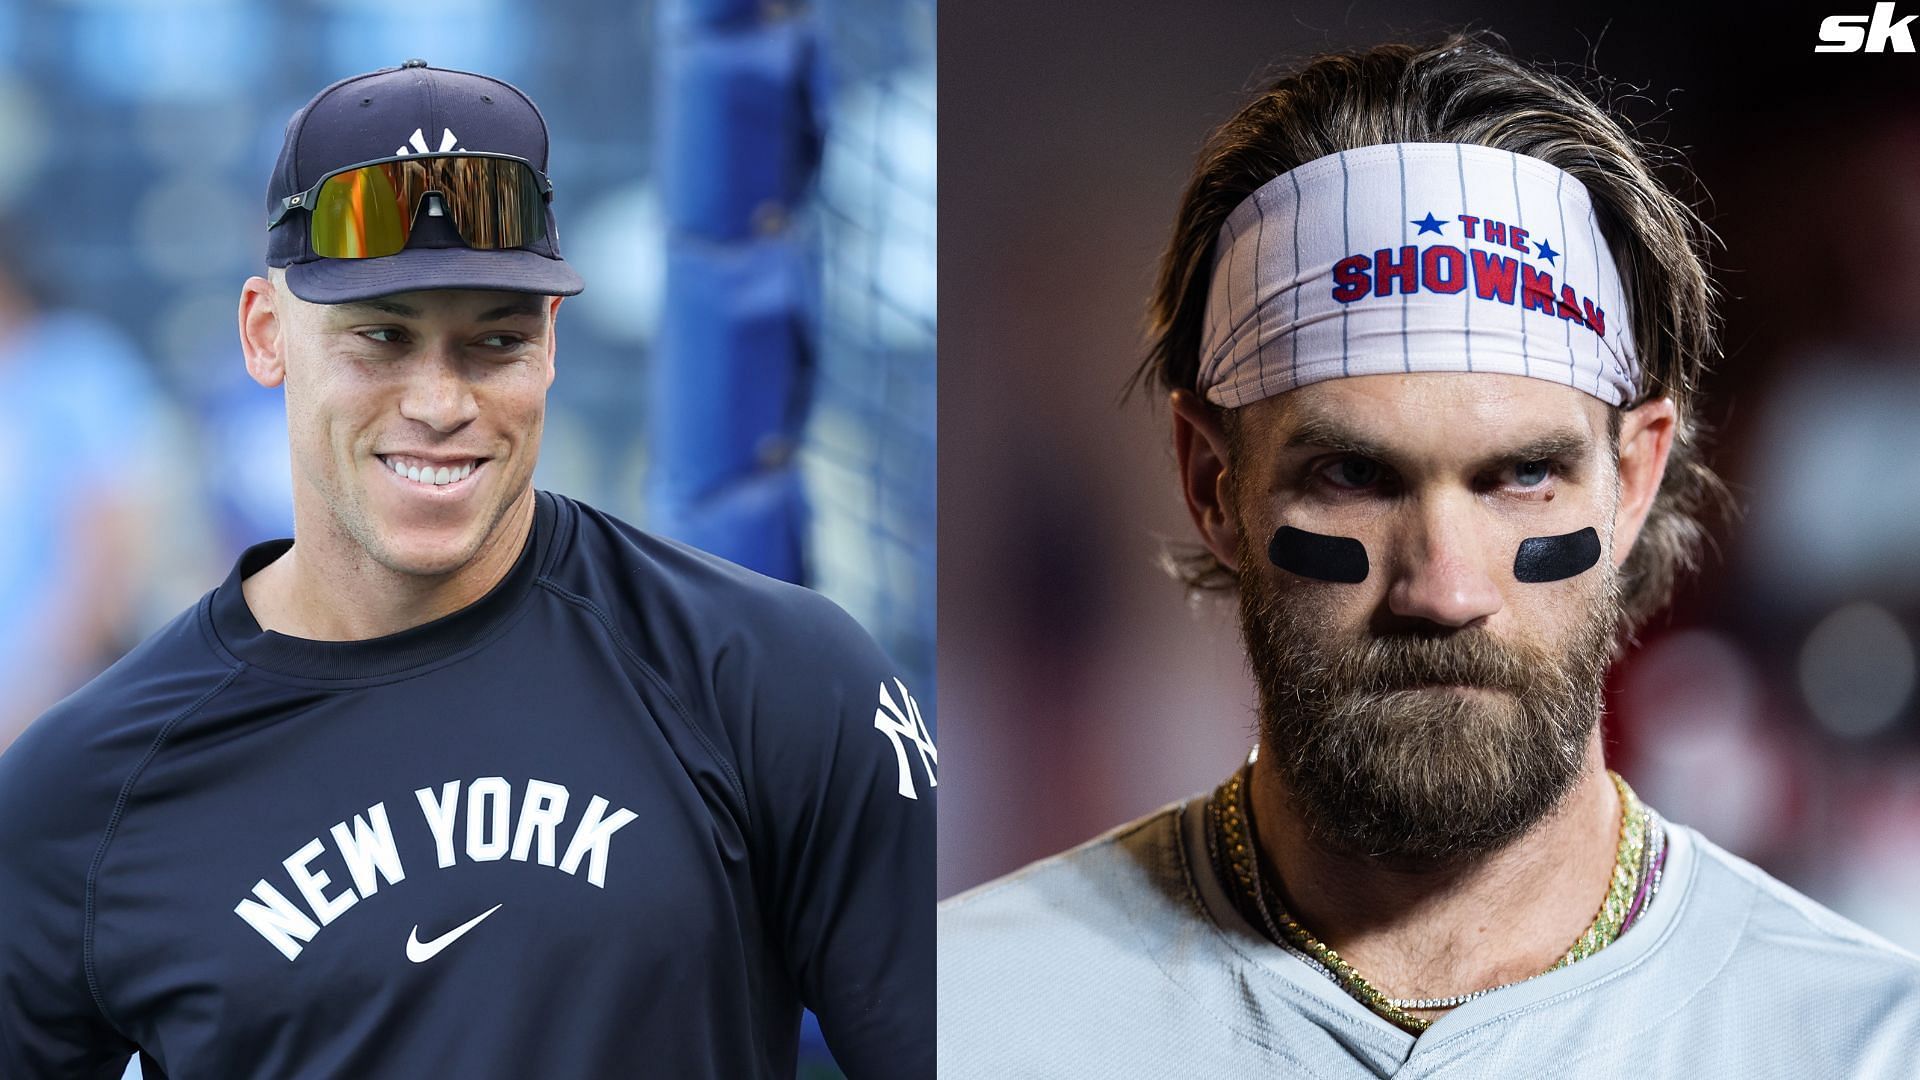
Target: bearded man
[{"x": 1431, "y": 330}]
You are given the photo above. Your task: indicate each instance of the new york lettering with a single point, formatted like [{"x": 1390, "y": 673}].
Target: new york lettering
[{"x": 484, "y": 826}]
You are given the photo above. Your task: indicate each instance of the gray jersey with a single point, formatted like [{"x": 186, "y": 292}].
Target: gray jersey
[{"x": 1125, "y": 958}]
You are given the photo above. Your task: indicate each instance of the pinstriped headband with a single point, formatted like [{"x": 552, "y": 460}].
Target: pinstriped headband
[{"x": 1415, "y": 257}]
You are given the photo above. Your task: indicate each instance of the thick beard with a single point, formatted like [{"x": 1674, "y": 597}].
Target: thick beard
[{"x": 1375, "y": 766}]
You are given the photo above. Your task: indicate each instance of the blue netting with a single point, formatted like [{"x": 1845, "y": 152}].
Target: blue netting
[{"x": 868, "y": 456}]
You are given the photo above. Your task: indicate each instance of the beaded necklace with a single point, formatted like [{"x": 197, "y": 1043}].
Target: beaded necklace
[{"x": 1638, "y": 862}]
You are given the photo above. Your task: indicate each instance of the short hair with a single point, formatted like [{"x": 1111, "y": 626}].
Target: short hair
[{"x": 1467, "y": 89}]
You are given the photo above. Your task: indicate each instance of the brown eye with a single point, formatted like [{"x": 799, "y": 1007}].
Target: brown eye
[{"x": 1354, "y": 472}]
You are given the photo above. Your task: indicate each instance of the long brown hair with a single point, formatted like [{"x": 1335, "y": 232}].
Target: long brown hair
[{"x": 1466, "y": 89}]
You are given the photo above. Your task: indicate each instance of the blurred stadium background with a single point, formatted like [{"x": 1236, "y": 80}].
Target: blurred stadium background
[
  {"x": 747, "y": 187},
  {"x": 1775, "y": 710}
]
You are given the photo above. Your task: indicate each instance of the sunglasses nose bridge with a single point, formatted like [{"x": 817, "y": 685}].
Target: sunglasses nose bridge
[
  {"x": 433, "y": 187},
  {"x": 481, "y": 203}
]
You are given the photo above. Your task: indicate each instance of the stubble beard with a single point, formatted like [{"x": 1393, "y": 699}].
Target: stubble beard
[
  {"x": 348, "y": 505},
  {"x": 1376, "y": 766}
]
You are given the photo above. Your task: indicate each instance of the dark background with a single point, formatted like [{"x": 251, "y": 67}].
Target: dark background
[{"x": 1774, "y": 709}]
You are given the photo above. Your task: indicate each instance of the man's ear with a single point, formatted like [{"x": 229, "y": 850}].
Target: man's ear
[
  {"x": 1646, "y": 439},
  {"x": 261, "y": 339},
  {"x": 553, "y": 333},
  {"x": 1200, "y": 448}
]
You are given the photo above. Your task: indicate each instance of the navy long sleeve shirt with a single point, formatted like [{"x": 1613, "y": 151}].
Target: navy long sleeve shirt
[{"x": 622, "y": 816}]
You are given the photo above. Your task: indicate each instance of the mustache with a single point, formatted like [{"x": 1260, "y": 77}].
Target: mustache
[
  {"x": 1321, "y": 670},
  {"x": 1476, "y": 659}
]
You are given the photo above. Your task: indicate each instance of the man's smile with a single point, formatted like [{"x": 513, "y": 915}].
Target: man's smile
[{"x": 424, "y": 474}]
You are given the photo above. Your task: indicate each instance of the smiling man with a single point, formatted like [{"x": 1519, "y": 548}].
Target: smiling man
[
  {"x": 1431, "y": 329},
  {"x": 464, "y": 779}
]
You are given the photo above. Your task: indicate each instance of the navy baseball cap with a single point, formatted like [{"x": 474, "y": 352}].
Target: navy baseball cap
[{"x": 411, "y": 109}]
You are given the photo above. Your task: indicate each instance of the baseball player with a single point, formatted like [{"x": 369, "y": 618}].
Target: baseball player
[
  {"x": 465, "y": 779},
  {"x": 1431, "y": 330}
]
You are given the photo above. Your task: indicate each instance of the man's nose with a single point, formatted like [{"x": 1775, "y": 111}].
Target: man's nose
[
  {"x": 1442, "y": 576},
  {"x": 438, "y": 393}
]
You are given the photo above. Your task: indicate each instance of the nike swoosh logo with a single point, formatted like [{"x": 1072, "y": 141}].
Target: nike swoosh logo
[{"x": 422, "y": 951}]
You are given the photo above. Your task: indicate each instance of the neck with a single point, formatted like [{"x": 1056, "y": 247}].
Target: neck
[
  {"x": 1436, "y": 930},
  {"x": 327, "y": 588}
]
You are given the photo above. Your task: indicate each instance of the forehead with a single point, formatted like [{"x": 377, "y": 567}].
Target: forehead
[
  {"x": 480, "y": 304},
  {"x": 1433, "y": 415}
]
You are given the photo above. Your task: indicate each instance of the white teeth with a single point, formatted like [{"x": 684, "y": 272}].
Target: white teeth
[{"x": 439, "y": 477}]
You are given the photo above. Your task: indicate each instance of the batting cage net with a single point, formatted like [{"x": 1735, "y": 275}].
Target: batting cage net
[{"x": 868, "y": 454}]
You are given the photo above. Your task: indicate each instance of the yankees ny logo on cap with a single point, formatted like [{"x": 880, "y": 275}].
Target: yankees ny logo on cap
[
  {"x": 418, "y": 142},
  {"x": 365, "y": 203}
]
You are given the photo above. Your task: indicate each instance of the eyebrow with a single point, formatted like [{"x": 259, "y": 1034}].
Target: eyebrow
[
  {"x": 523, "y": 308},
  {"x": 1322, "y": 433}
]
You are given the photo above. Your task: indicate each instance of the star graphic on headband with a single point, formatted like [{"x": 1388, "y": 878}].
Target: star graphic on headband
[
  {"x": 1547, "y": 252},
  {"x": 1429, "y": 224}
]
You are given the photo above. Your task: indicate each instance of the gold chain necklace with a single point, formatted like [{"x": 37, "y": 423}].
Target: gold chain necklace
[{"x": 1636, "y": 860}]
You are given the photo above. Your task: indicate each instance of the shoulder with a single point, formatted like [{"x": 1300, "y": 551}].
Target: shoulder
[
  {"x": 1138, "y": 854},
  {"x": 60, "y": 779},
  {"x": 768, "y": 671},
  {"x": 1093, "y": 907},
  {"x": 1827, "y": 987},
  {"x": 1785, "y": 927},
  {"x": 676, "y": 598},
  {"x": 1084, "y": 964},
  {"x": 155, "y": 681},
  {"x": 1748, "y": 976},
  {"x": 1790, "y": 921}
]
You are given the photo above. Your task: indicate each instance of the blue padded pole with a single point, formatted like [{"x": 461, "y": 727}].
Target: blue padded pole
[{"x": 732, "y": 366}]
